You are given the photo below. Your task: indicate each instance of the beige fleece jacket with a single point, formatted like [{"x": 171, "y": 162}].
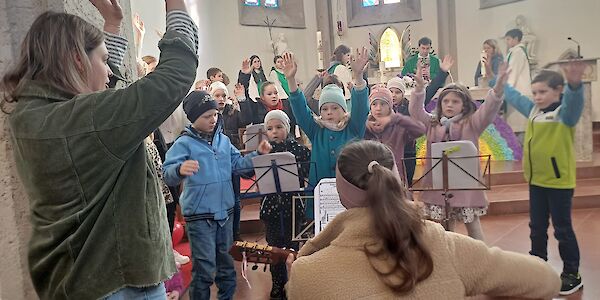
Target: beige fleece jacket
[{"x": 333, "y": 265}]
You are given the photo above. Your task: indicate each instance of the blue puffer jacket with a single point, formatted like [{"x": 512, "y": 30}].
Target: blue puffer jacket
[{"x": 208, "y": 193}]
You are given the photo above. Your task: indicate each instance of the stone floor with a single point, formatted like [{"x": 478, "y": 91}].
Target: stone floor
[{"x": 509, "y": 232}]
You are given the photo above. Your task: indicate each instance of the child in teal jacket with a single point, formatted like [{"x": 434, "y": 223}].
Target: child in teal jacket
[{"x": 334, "y": 128}]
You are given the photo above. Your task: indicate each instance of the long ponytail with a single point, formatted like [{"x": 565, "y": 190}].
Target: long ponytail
[{"x": 396, "y": 221}]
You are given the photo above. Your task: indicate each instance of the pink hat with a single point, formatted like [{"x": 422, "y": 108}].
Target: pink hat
[
  {"x": 352, "y": 196},
  {"x": 381, "y": 93}
]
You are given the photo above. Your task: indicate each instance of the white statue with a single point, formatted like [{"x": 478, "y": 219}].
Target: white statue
[
  {"x": 529, "y": 39},
  {"x": 280, "y": 45}
]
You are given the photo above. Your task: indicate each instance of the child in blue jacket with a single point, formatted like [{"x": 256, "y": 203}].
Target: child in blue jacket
[{"x": 203, "y": 158}]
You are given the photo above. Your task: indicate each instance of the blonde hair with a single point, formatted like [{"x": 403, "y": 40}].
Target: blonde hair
[
  {"x": 494, "y": 44},
  {"x": 48, "y": 54}
]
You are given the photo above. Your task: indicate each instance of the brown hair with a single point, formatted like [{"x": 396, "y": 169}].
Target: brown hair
[
  {"x": 48, "y": 54},
  {"x": 552, "y": 78},
  {"x": 148, "y": 59},
  {"x": 397, "y": 222},
  {"x": 462, "y": 92},
  {"x": 212, "y": 72},
  {"x": 339, "y": 52},
  {"x": 332, "y": 79}
]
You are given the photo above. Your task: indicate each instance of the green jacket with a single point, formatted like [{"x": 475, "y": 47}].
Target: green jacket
[
  {"x": 410, "y": 66},
  {"x": 97, "y": 212}
]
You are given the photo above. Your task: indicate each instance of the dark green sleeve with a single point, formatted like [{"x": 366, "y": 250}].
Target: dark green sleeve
[{"x": 123, "y": 118}]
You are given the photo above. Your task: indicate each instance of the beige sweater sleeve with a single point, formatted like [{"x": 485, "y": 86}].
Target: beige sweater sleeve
[{"x": 496, "y": 272}]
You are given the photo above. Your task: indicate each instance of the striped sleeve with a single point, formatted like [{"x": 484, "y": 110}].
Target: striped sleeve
[
  {"x": 181, "y": 22},
  {"x": 116, "y": 46}
]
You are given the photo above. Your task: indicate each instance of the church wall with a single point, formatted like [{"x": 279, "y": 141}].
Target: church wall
[
  {"x": 224, "y": 43},
  {"x": 578, "y": 19},
  {"x": 359, "y": 36}
]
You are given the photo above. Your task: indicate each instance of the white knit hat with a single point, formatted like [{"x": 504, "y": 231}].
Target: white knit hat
[
  {"x": 279, "y": 115},
  {"x": 398, "y": 83},
  {"x": 217, "y": 85}
]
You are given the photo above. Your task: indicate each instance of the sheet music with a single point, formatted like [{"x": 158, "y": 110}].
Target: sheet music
[
  {"x": 253, "y": 135},
  {"x": 287, "y": 169},
  {"x": 327, "y": 203}
]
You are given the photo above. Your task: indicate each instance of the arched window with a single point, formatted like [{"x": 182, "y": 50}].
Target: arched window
[{"x": 390, "y": 48}]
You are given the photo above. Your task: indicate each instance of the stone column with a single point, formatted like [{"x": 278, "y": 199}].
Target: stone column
[
  {"x": 15, "y": 19},
  {"x": 324, "y": 21},
  {"x": 446, "y": 11}
]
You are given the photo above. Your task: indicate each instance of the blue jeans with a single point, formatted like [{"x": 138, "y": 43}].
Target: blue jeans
[
  {"x": 156, "y": 292},
  {"x": 210, "y": 242},
  {"x": 554, "y": 203}
]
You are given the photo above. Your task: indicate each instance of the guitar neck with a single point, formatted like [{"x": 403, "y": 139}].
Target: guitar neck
[{"x": 257, "y": 253}]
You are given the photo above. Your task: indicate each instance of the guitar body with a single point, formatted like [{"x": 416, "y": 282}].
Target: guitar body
[{"x": 256, "y": 253}]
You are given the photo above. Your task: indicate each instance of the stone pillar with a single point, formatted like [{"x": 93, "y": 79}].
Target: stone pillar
[
  {"x": 15, "y": 19},
  {"x": 446, "y": 11},
  {"x": 324, "y": 21}
]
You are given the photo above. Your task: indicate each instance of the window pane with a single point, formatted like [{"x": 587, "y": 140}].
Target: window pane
[
  {"x": 367, "y": 3},
  {"x": 252, "y": 2},
  {"x": 390, "y": 49},
  {"x": 391, "y": 1},
  {"x": 271, "y": 3}
]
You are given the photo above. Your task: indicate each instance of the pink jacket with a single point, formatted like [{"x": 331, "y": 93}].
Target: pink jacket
[
  {"x": 400, "y": 129},
  {"x": 469, "y": 129}
]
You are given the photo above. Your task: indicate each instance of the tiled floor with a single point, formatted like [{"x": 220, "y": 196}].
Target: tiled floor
[{"x": 509, "y": 232}]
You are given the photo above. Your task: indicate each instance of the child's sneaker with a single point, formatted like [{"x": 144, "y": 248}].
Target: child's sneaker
[
  {"x": 180, "y": 259},
  {"x": 571, "y": 282}
]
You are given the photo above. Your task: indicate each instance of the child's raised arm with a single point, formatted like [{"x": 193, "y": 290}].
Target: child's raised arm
[
  {"x": 572, "y": 104},
  {"x": 360, "y": 94},
  {"x": 416, "y": 106},
  {"x": 300, "y": 108}
]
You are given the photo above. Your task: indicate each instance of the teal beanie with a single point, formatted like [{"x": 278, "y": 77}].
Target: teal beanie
[{"x": 332, "y": 93}]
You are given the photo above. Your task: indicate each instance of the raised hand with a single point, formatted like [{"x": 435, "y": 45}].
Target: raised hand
[
  {"x": 290, "y": 68},
  {"x": 419, "y": 81},
  {"x": 111, "y": 12},
  {"x": 447, "y": 63},
  {"x": 246, "y": 66},
  {"x": 239, "y": 90},
  {"x": 189, "y": 168},
  {"x": 574, "y": 73},
  {"x": 503, "y": 72},
  {"x": 264, "y": 147},
  {"x": 359, "y": 61},
  {"x": 138, "y": 25}
]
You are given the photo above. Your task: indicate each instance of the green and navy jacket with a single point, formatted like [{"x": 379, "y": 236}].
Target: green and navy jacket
[{"x": 548, "y": 155}]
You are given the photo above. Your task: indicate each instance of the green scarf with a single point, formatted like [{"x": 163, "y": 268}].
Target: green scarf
[{"x": 283, "y": 81}]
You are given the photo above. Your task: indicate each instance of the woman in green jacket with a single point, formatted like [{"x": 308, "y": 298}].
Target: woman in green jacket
[{"x": 98, "y": 220}]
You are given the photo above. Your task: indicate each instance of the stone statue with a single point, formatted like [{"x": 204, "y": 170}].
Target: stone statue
[
  {"x": 529, "y": 39},
  {"x": 280, "y": 45}
]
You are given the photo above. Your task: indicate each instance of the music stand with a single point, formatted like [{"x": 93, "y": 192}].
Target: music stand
[
  {"x": 455, "y": 167},
  {"x": 299, "y": 237},
  {"x": 252, "y": 136}
]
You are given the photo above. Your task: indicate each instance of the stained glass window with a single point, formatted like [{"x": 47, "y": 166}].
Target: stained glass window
[
  {"x": 390, "y": 49},
  {"x": 252, "y": 2},
  {"x": 272, "y": 3},
  {"x": 367, "y": 3}
]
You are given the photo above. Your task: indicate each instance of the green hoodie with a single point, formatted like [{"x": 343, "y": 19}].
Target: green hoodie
[{"x": 97, "y": 212}]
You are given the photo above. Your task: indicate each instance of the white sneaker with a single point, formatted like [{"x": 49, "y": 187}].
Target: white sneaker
[{"x": 180, "y": 259}]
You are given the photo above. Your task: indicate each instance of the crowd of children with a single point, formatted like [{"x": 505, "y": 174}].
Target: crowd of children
[
  {"x": 330, "y": 121},
  {"x": 202, "y": 167}
]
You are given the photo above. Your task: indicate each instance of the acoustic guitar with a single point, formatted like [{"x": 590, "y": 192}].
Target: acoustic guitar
[{"x": 256, "y": 253}]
